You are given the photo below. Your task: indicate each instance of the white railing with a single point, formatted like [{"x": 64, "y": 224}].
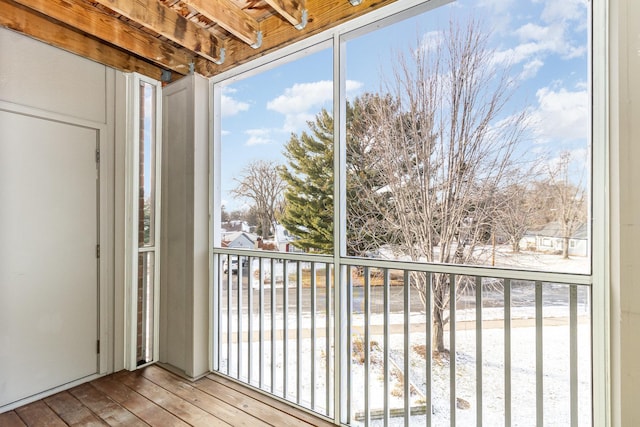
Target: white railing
[{"x": 521, "y": 340}]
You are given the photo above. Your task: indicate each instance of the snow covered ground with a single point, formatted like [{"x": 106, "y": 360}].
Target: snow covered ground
[{"x": 555, "y": 371}]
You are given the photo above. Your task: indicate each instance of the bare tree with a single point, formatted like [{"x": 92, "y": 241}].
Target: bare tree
[
  {"x": 517, "y": 211},
  {"x": 568, "y": 199},
  {"x": 261, "y": 183},
  {"x": 443, "y": 149}
]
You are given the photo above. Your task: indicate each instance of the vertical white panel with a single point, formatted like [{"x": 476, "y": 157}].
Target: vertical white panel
[
  {"x": 176, "y": 275},
  {"x": 184, "y": 327}
]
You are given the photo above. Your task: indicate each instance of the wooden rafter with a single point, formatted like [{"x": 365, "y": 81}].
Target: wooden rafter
[
  {"x": 231, "y": 18},
  {"x": 152, "y": 36},
  {"x": 292, "y": 10},
  {"x": 35, "y": 25},
  {"x": 323, "y": 15},
  {"x": 168, "y": 23},
  {"x": 84, "y": 17}
]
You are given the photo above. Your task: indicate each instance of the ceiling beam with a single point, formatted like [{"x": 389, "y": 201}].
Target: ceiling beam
[
  {"x": 230, "y": 17},
  {"x": 291, "y": 10},
  {"x": 170, "y": 24},
  {"x": 323, "y": 15},
  {"x": 31, "y": 23},
  {"x": 92, "y": 21}
]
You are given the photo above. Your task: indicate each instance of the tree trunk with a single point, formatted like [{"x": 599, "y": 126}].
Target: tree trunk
[
  {"x": 439, "y": 290},
  {"x": 437, "y": 332},
  {"x": 565, "y": 248}
]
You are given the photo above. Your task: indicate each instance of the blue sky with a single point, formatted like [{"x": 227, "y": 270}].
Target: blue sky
[{"x": 544, "y": 42}]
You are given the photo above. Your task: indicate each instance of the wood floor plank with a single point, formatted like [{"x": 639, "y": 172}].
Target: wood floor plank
[
  {"x": 179, "y": 407},
  {"x": 104, "y": 407},
  {"x": 72, "y": 411},
  {"x": 261, "y": 410},
  {"x": 142, "y": 407},
  {"x": 10, "y": 419},
  {"x": 153, "y": 396},
  {"x": 38, "y": 414},
  {"x": 213, "y": 404},
  {"x": 276, "y": 404}
]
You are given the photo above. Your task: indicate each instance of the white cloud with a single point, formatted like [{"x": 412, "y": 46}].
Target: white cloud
[
  {"x": 258, "y": 137},
  {"x": 565, "y": 10},
  {"x": 431, "y": 40},
  {"x": 231, "y": 107},
  {"x": 530, "y": 69},
  {"x": 300, "y": 102},
  {"x": 553, "y": 33},
  {"x": 561, "y": 115},
  {"x": 302, "y": 97}
]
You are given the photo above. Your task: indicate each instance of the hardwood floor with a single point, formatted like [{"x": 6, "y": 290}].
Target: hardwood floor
[{"x": 154, "y": 396}]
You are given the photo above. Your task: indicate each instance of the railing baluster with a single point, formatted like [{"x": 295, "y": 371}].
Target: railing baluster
[
  {"x": 313, "y": 336},
  {"x": 249, "y": 319},
  {"x": 349, "y": 337},
  {"x": 229, "y": 316},
  {"x": 262, "y": 325},
  {"x": 367, "y": 345},
  {"x": 407, "y": 349},
  {"x": 385, "y": 362},
  {"x": 273, "y": 325},
  {"x": 285, "y": 328},
  {"x": 239, "y": 315},
  {"x": 327, "y": 331},
  {"x": 479, "y": 360},
  {"x": 217, "y": 320},
  {"x": 573, "y": 352},
  {"x": 452, "y": 349},
  {"x": 428, "y": 350},
  {"x": 539, "y": 357},
  {"x": 507, "y": 352},
  {"x": 298, "y": 331}
]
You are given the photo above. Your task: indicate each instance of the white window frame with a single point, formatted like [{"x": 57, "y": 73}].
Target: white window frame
[
  {"x": 598, "y": 246},
  {"x": 132, "y": 251}
]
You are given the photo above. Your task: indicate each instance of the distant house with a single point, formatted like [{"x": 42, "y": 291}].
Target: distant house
[
  {"x": 549, "y": 239},
  {"x": 283, "y": 239},
  {"x": 239, "y": 240},
  {"x": 235, "y": 225}
]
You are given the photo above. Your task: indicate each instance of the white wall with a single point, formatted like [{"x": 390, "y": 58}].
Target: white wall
[
  {"x": 625, "y": 210},
  {"x": 47, "y": 79}
]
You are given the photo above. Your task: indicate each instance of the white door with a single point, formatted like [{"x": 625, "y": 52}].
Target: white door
[{"x": 48, "y": 264}]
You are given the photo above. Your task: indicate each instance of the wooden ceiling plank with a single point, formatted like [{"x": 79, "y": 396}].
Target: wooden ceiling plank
[
  {"x": 292, "y": 10},
  {"x": 90, "y": 20},
  {"x": 168, "y": 23},
  {"x": 323, "y": 15},
  {"x": 230, "y": 17},
  {"x": 32, "y": 24}
]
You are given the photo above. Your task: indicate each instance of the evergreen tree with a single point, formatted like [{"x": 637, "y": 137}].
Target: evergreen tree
[
  {"x": 308, "y": 210},
  {"x": 309, "y": 194}
]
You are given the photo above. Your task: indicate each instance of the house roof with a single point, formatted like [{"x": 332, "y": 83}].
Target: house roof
[
  {"x": 231, "y": 237},
  {"x": 166, "y": 39},
  {"x": 554, "y": 229}
]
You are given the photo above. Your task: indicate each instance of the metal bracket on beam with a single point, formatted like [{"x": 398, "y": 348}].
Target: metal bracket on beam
[
  {"x": 355, "y": 2},
  {"x": 258, "y": 42},
  {"x": 303, "y": 20},
  {"x": 192, "y": 68},
  {"x": 222, "y": 57},
  {"x": 166, "y": 76}
]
